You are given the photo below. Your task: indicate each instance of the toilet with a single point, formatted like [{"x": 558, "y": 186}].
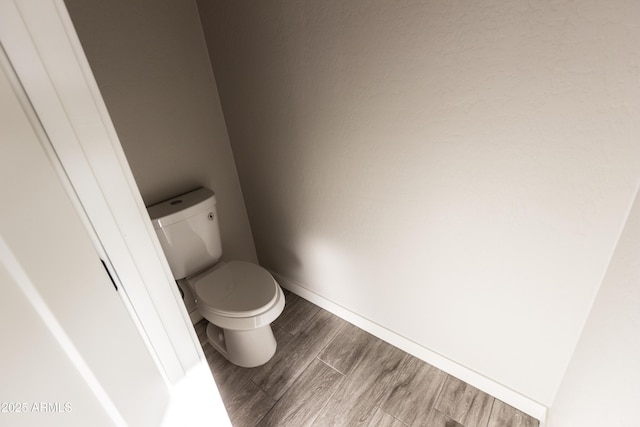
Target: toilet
[{"x": 239, "y": 299}]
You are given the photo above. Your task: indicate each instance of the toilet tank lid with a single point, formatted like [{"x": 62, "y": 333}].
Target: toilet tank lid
[{"x": 181, "y": 207}]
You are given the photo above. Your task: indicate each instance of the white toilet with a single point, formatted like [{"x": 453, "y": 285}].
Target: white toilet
[{"x": 239, "y": 299}]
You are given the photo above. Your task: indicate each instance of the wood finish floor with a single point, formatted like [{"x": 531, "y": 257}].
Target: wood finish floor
[{"x": 327, "y": 372}]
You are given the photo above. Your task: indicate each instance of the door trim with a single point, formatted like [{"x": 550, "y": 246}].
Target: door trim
[{"x": 45, "y": 52}]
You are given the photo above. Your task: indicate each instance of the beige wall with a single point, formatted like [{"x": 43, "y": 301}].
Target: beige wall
[
  {"x": 602, "y": 384},
  {"x": 151, "y": 64},
  {"x": 456, "y": 172}
]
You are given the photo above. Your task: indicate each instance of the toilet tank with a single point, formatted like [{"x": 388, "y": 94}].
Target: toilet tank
[{"x": 187, "y": 226}]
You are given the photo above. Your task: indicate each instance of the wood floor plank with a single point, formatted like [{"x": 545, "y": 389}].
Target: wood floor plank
[
  {"x": 436, "y": 419},
  {"x": 297, "y": 314},
  {"x": 201, "y": 331},
  {"x": 216, "y": 361},
  {"x": 280, "y": 372},
  {"x": 247, "y": 406},
  {"x": 382, "y": 419},
  {"x": 346, "y": 349},
  {"x": 464, "y": 403},
  {"x": 306, "y": 397},
  {"x": 383, "y": 386},
  {"x": 231, "y": 378},
  {"x": 367, "y": 385},
  {"x": 415, "y": 391},
  {"x": 503, "y": 415}
]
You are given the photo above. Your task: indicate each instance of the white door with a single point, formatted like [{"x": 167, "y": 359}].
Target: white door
[{"x": 70, "y": 352}]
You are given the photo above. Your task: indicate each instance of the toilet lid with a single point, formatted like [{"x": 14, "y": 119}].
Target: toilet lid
[{"x": 236, "y": 289}]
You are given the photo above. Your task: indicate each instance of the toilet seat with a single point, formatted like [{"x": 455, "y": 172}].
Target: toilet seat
[{"x": 236, "y": 289}]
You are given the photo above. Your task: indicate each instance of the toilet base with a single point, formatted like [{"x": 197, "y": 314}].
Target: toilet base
[{"x": 248, "y": 348}]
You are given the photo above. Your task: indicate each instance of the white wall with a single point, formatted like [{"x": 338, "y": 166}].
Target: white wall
[
  {"x": 152, "y": 67},
  {"x": 456, "y": 172},
  {"x": 602, "y": 384}
]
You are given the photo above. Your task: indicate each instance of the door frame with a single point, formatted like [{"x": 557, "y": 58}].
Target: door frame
[{"x": 40, "y": 41}]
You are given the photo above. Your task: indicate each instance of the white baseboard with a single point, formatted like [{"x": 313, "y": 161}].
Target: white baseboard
[{"x": 495, "y": 389}]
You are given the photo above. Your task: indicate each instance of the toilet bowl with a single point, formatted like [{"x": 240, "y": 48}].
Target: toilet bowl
[{"x": 239, "y": 300}]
